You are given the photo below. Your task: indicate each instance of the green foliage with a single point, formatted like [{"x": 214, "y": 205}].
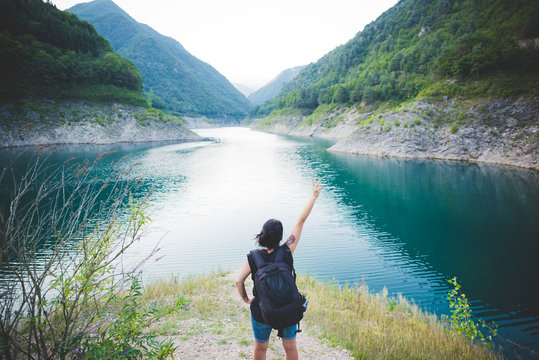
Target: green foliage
[
  {"x": 155, "y": 101},
  {"x": 499, "y": 84},
  {"x": 454, "y": 128},
  {"x": 104, "y": 93},
  {"x": 461, "y": 322},
  {"x": 50, "y": 53},
  {"x": 66, "y": 296},
  {"x": 468, "y": 48},
  {"x": 341, "y": 95},
  {"x": 125, "y": 337},
  {"x": 368, "y": 120},
  {"x": 318, "y": 114},
  {"x": 178, "y": 81}
]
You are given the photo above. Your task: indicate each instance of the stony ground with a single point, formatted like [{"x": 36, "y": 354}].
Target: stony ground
[{"x": 219, "y": 328}]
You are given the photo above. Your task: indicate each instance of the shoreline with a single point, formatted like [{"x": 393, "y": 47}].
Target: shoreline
[
  {"x": 97, "y": 143},
  {"x": 50, "y": 123},
  {"x": 499, "y": 131},
  {"x": 461, "y": 160}
]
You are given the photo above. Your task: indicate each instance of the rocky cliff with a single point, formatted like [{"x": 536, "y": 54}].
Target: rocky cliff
[
  {"x": 49, "y": 122},
  {"x": 500, "y": 131}
]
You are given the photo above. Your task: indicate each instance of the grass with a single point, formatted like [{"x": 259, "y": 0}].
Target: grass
[
  {"x": 371, "y": 325},
  {"x": 367, "y": 121},
  {"x": 267, "y": 122},
  {"x": 318, "y": 114},
  {"x": 334, "y": 121},
  {"x": 376, "y": 326}
]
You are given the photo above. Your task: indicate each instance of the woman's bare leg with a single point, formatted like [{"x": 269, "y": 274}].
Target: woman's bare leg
[
  {"x": 290, "y": 349},
  {"x": 260, "y": 350}
]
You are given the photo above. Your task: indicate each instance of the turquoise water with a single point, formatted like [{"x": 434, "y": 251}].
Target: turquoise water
[{"x": 407, "y": 225}]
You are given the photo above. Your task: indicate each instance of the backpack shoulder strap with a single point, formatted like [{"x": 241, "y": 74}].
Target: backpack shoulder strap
[
  {"x": 279, "y": 255},
  {"x": 258, "y": 259}
]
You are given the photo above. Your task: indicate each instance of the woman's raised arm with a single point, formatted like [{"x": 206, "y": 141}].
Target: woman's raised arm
[{"x": 293, "y": 239}]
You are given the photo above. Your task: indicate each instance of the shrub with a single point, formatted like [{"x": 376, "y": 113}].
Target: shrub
[
  {"x": 124, "y": 337},
  {"x": 64, "y": 230},
  {"x": 461, "y": 322}
]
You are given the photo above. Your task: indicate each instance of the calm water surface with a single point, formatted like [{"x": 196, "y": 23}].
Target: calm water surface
[{"x": 407, "y": 225}]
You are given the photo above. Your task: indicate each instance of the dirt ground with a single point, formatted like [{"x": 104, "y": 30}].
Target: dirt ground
[{"x": 222, "y": 332}]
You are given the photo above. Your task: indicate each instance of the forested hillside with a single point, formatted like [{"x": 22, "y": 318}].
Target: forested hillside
[
  {"x": 455, "y": 48},
  {"x": 274, "y": 87},
  {"x": 174, "y": 79},
  {"x": 48, "y": 53}
]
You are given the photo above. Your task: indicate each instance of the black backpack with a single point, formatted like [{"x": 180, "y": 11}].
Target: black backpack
[{"x": 281, "y": 304}]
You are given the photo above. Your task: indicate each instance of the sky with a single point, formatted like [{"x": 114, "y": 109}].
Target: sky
[{"x": 252, "y": 41}]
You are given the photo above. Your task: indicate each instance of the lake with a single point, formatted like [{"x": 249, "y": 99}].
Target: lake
[{"x": 407, "y": 225}]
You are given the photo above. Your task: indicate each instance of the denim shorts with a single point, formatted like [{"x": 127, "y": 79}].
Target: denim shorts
[{"x": 262, "y": 331}]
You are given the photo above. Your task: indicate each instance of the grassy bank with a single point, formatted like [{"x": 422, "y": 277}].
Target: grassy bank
[
  {"x": 370, "y": 325},
  {"x": 376, "y": 326}
]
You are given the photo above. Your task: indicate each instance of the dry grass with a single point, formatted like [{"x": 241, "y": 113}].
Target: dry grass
[
  {"x": 202, "y": 291},
  {"x": 371, "y": 325},
  {"x": 375, "y": 326}
]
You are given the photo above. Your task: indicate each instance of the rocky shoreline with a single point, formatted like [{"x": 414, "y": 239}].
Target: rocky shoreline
[
  {"x": 47, "y": 123},
  {"x": 502, "y": 131},
  {"x": 206, "y": 123}
]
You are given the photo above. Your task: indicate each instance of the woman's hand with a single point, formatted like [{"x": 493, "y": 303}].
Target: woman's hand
[{"x": 317, "y": 188}]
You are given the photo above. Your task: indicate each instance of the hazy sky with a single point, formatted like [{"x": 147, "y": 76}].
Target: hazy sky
[{"x": 251, "y": 41}]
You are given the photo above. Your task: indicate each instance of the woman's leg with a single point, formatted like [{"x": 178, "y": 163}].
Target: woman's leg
[
  {"x": 260, "y": 350},
  {"x": 290, "y": 349},
  {"x": 261, "y": 333}
]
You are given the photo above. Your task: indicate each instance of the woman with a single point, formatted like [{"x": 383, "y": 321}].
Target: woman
[{"x": 269, "y": 238}]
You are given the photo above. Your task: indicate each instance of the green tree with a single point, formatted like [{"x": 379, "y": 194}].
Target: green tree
[{"x": 341, "y": 95}]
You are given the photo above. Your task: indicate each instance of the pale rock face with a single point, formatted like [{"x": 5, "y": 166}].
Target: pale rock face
[
  {"x": 76, "y": 123},
  {"x": 529, "y": 43},
  {"x": 424, "y": 30},
  {"x": 499, "y": 131}
]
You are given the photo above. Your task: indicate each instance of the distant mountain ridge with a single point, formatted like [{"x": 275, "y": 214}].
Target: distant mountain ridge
[
  {"x": 245, "y": 90},
  {"x": 274, "y": 87},
  {"x": 175, "y": 79}
]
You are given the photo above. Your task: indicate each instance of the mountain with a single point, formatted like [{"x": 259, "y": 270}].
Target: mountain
[
  {"x": 462, "y": 48},
  {"x": 245, "y": 90},
  {"x": 47, "y": 53},
  {"x": 274, "y": 87},
  {"x": 174, "y": 79}
]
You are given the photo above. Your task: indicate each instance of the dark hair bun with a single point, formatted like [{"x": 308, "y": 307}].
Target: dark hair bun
[{"x": 271, "y": 234}]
